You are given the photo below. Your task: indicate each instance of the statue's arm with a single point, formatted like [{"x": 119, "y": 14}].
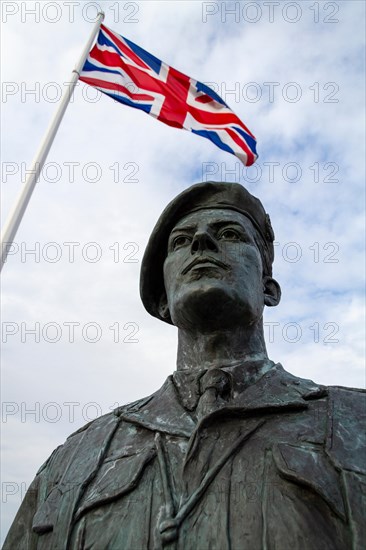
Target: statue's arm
[
  {"x": 58, "y": 482},
  {"x": 346, "y": 446},
  {"x": 20, "y": 535}
]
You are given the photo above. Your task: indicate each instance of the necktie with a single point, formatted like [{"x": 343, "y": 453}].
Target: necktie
[{"x": 215, "y": 389}]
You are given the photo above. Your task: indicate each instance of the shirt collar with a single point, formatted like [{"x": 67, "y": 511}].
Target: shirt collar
[
  {"x": 275, "y": 390},
  {"x": 242, "y": 375}
]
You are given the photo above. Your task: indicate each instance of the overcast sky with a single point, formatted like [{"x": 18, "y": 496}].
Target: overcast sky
[{"x": 293, "y": 72}]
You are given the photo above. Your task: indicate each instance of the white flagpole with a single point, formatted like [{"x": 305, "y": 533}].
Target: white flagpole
[{"x": 16, "y": 215}]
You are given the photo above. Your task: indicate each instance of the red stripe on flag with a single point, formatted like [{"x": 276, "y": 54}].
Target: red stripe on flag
[
  {"x": 240, "y": 141},
  {"x": 124, "y": 48},
  {"x": 115, "y": 87},
  {"x": 140, "y": 78},
  {"x": 204, "y": 99},
  {"x": 174, "y": 108}
]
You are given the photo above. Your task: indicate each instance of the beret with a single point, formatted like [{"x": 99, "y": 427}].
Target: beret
[{"x": 206, "y": 195}]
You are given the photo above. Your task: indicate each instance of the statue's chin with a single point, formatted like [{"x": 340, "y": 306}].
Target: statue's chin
[{"x": 208, "y": 307}]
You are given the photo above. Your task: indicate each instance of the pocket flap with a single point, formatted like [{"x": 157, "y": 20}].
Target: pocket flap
[
  {"x": 115, "y": 478},
  {"x": 311, "y": 467}
]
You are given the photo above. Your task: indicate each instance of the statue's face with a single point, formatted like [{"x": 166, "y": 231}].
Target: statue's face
[{"x": 213, "y": 271}]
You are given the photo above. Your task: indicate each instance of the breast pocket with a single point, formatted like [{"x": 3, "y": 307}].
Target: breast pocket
[
  {"x": 311, "y": 467},
  {"x": 114, "y": 479}
]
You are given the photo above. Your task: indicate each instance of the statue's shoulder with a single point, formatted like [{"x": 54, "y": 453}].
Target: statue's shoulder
[
  {"x": 348, "y": 395},
  {"x": 345, "y": 418},
  {"x": 95, "y": 434},
  {"x": 346, "y": 439},
  {"x": 110, "y": 419},
  {"x": 92, "y": 433},
  {"x": 347, "y": 405},
  {"x": 73, "y": 464}
]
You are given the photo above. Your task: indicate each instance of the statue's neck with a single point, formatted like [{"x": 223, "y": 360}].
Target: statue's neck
[{"x": 220, "y": 348}]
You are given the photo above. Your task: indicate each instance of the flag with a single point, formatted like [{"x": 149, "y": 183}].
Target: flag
[{"x": 129, "y": 74}]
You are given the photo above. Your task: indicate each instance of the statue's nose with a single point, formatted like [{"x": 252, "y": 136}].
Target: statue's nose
[{"x": 202, "y": 241}]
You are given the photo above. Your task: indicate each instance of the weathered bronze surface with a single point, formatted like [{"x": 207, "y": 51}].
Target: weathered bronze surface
[{"x": 233, "y": 452}]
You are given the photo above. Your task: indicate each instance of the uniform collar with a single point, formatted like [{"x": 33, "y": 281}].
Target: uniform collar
[
  {"x": 275, "y": 390},
  {"x": 242, "y": 376}
]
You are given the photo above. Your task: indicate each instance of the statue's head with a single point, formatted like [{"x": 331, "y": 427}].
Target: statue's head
[{"x": 209, "y": 259}]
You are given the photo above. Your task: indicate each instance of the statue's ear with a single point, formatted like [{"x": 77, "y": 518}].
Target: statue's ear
[
  {"x": 163, "y": 308},
  {"x": 272, "y": 291}
]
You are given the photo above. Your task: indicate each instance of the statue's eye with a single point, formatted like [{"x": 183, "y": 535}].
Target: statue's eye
[
  {"x": 181, "y": 240},
  {"x": 229, "y": 235}
]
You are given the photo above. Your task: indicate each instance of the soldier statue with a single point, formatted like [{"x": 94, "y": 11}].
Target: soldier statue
[{"x": 233, "y": 452}]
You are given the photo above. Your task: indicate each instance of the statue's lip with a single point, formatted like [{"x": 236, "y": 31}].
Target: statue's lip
[{"x": 205, "y": 260}]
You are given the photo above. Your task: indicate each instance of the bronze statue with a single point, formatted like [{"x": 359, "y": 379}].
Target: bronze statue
[{"x": 233, "y": 452}]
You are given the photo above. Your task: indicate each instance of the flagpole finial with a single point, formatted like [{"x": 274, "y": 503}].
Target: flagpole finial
[{"x": 102, "y": 14}]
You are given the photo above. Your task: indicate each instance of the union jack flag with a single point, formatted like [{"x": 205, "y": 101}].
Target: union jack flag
[{"x": 127, "y": 73}]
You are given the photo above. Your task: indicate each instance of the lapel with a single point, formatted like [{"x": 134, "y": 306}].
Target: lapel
[{"x": 161, "y": 412}]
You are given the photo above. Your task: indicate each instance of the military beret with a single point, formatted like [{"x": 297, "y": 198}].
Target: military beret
[{"x": 200, "y": 196}]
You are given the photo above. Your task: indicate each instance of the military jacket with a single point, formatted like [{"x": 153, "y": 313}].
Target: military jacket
[{"x": 278, "y": 466}]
